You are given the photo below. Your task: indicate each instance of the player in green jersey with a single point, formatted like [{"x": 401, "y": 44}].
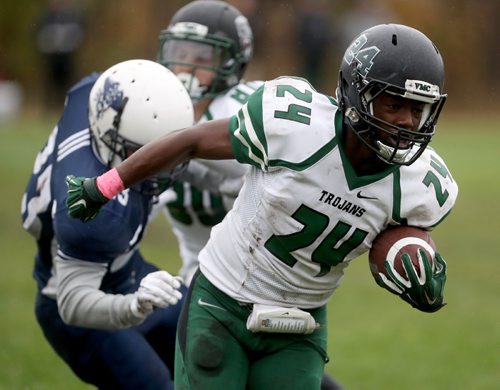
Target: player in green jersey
[{"x": 327, "y": 176}]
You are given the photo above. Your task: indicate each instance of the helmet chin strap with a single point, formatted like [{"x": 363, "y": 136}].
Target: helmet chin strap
[
  {"x": 391, "y": 154},
  {"x": 192, "y": 85},
  {"x": 386, "y": 153}
]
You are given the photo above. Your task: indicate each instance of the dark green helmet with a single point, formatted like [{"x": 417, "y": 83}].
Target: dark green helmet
[
  {"x": 399, "y": 60},
  {"x": 211, "y": 35}
]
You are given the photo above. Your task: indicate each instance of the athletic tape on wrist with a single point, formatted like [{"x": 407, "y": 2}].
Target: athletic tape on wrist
[{"x": 110, "y": 183}]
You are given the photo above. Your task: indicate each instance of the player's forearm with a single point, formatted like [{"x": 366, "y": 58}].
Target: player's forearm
[
  {"x": 209, "y": 140},
  {"x": 163, "y": 154},
  {"x": 95, "y": 309},
  {"x": 81, "y": 303}
]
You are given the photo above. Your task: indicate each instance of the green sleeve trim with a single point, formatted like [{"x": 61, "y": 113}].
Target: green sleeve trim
[
  {"x": 442, "y": 219},
  {"x": 300, "y": 166},
  {"x": 238, "y": 149},
  {"x": 322, "y": 152},
  {"x": 208, "y": 115},
  {"x": 249, "y": 144},
  {"x": 396, "y": 196},
  {"x": 254, "y": 106}
]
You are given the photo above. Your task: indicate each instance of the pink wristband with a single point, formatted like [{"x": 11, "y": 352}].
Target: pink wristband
[{"x": 110, "y": 183}]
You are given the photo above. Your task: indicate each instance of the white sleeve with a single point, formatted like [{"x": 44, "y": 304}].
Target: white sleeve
[
  {"x": 275, "y": 128},
  {"x": 80, "y": 301},
  {"x": 428, "y": 191}
]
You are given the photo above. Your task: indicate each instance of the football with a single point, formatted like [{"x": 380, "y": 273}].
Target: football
[{"x": 393, "y": 242}]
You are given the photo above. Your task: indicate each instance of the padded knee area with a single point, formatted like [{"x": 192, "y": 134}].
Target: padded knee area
[{"x": 207, "y": 352}]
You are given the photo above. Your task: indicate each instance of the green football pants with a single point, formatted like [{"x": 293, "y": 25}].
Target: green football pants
[{"x": 216, "y": 351}]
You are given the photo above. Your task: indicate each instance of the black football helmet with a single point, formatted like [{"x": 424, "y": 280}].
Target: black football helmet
[
  {"x": 215, "y": 32},
  {"x": 399, "y": 60}
]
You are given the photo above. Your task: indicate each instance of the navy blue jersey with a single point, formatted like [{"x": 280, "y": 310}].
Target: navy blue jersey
[{"x": 112, "y": 237}]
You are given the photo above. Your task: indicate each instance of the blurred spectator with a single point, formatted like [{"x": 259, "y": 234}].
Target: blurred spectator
[
  {"x": 60, "y": 33},
  {"x": 254, "y": 11},
  {"x": 10, "y": 98},
  {"x": 361, "y": 15},
  {"x": 314, "y": 38}
]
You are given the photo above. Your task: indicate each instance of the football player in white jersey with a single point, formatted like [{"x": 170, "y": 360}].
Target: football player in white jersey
[
  {"x": 208, "y": 45},
  {"x": 327, "y": 176}
]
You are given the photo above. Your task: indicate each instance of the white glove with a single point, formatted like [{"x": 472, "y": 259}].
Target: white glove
[{"x": 157, "y": 290}]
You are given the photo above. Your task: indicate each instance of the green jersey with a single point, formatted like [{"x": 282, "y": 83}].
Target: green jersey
[{"x": 303, "y": 214}]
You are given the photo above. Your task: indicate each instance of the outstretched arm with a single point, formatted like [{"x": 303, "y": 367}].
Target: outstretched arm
[
  {"x": 82, "y": 303},
  {"x": 209, "y": 140}
]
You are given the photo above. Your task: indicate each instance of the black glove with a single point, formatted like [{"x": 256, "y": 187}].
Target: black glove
[{"x": 84, "y": 198}]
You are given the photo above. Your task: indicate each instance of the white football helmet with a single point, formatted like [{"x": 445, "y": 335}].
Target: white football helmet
[{"x": 133, "y": 103}]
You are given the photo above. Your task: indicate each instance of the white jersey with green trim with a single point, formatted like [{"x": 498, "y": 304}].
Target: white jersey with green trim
[
  {"x": 303, "y": 214},
  {"x": 191, "y": 211}
]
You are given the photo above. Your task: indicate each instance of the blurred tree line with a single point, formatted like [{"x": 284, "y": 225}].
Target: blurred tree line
[{"x": 292, "y": 37}]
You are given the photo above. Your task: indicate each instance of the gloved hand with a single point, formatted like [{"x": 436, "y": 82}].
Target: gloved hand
[
  {"x": 157, "y": 290},
  {"x": 424, "y": 293},
  {"x": 84, "y": 198}
]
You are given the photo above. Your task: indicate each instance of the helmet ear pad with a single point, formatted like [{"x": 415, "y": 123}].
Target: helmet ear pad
[{"x": 397, "y": 60}]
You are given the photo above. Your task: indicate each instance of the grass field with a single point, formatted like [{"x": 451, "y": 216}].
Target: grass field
[{"x": 376, "y": 340}]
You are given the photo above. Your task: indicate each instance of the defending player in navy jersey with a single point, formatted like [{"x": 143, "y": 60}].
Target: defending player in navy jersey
[
  {"x": 105, "y": 310},
  {"x": 327, "y": 176}
]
